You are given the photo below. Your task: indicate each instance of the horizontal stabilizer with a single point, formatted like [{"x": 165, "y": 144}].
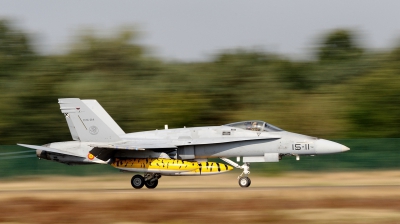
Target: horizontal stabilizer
[{"x": 37, "y": 147}]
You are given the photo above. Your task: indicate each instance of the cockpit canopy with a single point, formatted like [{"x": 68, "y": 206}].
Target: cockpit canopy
[{"x": 255, "y": 126}]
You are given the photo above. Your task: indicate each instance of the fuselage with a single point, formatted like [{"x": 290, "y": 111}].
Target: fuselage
[
  {"x": 98, "y": 139},
  {"x": 201, "y": 139},
  {"x": 213, "y": 142}
]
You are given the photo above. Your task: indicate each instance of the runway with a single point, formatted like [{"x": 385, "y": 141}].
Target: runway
[
  {"x": 292, "y": 198},
  {"x": 144, "y": 190},
  {"x": 220, "y": 193},
  {"x": 284, "y": 204}
]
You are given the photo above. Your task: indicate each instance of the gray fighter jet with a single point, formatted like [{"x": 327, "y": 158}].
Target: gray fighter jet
[{"x": 175, "y": 152}]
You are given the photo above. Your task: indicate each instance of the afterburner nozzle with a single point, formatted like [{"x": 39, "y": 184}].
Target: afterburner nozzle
[{"x": 41, "y": 154}]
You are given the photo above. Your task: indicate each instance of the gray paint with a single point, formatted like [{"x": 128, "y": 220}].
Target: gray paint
[{"x": 250, "y": 139}]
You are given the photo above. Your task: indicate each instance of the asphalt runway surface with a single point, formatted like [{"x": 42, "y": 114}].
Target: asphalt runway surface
[
  {"x": 177, "y": 190},
  {"x": 293, "y": 198}
]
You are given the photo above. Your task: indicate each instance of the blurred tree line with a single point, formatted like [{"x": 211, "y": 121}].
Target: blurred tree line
[{"x": 347, "y": 91}]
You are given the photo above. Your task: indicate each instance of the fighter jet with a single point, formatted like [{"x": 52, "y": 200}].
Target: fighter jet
[{"x": 97, "y": 139}]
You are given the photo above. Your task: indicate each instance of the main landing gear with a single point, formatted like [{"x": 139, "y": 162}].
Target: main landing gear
[
  {"x": 244, "y": 180},
  {"x": 150, "y": 180}
]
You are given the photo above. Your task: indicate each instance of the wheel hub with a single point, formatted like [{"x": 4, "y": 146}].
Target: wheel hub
[{"x": 137, "y": 181}]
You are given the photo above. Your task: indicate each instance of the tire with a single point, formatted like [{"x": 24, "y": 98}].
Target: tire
[
  {"x": 137, "y": 181},
  {"x": 244, "y": 182},
  {"x": 151, "y": 184}
]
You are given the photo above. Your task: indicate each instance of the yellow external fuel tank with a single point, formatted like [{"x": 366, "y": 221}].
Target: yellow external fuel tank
[{"x": 171, "y": 167}]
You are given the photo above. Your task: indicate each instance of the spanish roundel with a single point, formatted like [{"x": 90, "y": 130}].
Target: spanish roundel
[{"x": 90, "y": 156}]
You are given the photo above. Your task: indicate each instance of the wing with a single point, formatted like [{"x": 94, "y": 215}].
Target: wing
[
  {"x": 207, "y": 141},
  {"x": 136, "y": 145},
  {"x": 105, "y": 151},
  {"x": 144, "y": 144}
]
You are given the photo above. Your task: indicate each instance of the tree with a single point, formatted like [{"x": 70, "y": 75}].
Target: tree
[
  {"x": 115, "y": 53},
  {"x": 15, "y": 49},
  {"x": 374, "y": 110},
  {"x": 339, "y": 45}
]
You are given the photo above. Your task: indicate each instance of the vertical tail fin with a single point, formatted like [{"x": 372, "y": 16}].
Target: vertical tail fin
[{"x": 88, "y": 121}]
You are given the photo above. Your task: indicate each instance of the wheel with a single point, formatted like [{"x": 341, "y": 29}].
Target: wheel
[
  {"x": 151, "y": 184},
  {"x": 137, "y": 181},
  {"x": 244, "y": 182}
]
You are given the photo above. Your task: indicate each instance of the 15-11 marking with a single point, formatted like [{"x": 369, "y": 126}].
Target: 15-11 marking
[{"x": 300, "y": 146}]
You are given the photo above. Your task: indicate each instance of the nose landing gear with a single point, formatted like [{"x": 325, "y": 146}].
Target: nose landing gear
[{"x": 244, "y": 180}]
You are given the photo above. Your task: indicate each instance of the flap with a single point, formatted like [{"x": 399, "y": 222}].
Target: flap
[{"x": 105, "y": 151}]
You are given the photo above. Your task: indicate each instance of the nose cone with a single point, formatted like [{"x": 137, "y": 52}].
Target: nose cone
[
  {"x": 345, "y": 148},
  {"x": 325, "y": 147}
]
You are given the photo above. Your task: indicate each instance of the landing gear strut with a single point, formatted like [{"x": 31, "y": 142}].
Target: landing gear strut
[
  {"x": 244, "y": 180},
  {"x": 150, "y": 180}
]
